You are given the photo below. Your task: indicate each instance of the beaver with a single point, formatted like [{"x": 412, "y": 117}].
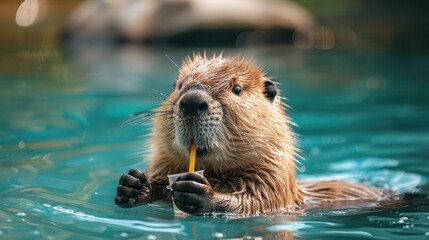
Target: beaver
[{"x": 236, "y": 117}]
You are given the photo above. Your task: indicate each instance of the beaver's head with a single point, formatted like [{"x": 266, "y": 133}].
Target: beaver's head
[{"x": 227, "y": 107}]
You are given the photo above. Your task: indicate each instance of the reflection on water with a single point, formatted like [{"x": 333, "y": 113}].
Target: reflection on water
[{"x": 359, "y": 116}]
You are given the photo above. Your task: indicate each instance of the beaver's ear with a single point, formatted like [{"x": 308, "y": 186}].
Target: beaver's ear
[{"x": 270, "y": 90}]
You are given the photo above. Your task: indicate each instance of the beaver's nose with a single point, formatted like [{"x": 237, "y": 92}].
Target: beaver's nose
[{"x": 193, "y": 105}]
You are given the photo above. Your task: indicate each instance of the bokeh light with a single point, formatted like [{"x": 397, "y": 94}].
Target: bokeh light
[{"x": 30, "y": 12}]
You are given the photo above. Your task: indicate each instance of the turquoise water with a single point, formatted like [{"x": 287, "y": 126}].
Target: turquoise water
[{"x": 359, "y": 115}]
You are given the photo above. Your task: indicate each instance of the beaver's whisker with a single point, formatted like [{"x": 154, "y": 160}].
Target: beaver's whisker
[
  {"x": 171, "y": 60},
  {"x": 165, "y": 97},
  {"x": 162, "y": 114},
  {"x": 144, "y": 116},
  {"x": 162, "y": 94},
  {"x": 133, "y": 122},
  {"x": 136, "y": 122},
  {"x": 149, "y": 112}
]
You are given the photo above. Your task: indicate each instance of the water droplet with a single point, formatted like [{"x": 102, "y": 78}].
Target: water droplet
[
  {"x": 79, "y": 214},
  {"x": 47, "y": 205},
  {"x": 69, "y": 211},
  {"x": 58, "y": 208},
  {"x": 402, "y": 219},
  {"x": 123, "y": 234},
  {"x": 151, "y": 237},
  {"x": 8, "y": 220},
  {"x": 95, "y": 193},
  {"x": 21, "y": 214},
  {"x": 21, "y": 144},
  {"x": 217, "y": 235},
  {"x": 36, "y": 232}
]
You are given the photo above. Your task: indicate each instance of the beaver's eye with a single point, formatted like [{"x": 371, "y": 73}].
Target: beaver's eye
[{"x": 237, "y": 90}]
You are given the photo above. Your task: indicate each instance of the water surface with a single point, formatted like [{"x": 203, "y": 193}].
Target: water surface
[{"x": 360, "y": 116}]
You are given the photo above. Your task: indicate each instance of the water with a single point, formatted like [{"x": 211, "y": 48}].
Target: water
[{"x": 359, "y": 115}]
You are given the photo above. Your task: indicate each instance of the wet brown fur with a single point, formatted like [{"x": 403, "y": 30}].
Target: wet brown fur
[{"x": 255, "y": 158}]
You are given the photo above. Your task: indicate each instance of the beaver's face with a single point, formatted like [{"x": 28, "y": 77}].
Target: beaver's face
[
  {"x": 198, "y": 118},
  {"x": 218, "y": 103}
]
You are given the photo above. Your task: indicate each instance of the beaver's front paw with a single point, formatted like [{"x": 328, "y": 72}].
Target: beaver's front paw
[
  {"x": 193, "y": 194},
  {"x": 133, "y": 189}
]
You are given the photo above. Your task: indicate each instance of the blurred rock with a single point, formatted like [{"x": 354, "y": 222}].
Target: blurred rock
[{"x": 196, "y": 22}]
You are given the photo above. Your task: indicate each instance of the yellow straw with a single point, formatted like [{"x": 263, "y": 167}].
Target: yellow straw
[{"x": 192, "y": 157}]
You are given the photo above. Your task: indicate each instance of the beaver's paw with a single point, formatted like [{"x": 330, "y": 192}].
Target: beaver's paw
[
  {"x": 193, "y": 194},
  {"x": 133, "y": 189}
]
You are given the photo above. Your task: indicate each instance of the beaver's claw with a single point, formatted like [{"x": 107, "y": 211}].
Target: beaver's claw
[
  {"x": 193, "y": 194},
  {"x": 133, "y": 189}
]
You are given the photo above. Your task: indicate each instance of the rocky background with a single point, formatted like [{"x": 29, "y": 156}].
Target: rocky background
[{"x": 349, "y": 24}]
